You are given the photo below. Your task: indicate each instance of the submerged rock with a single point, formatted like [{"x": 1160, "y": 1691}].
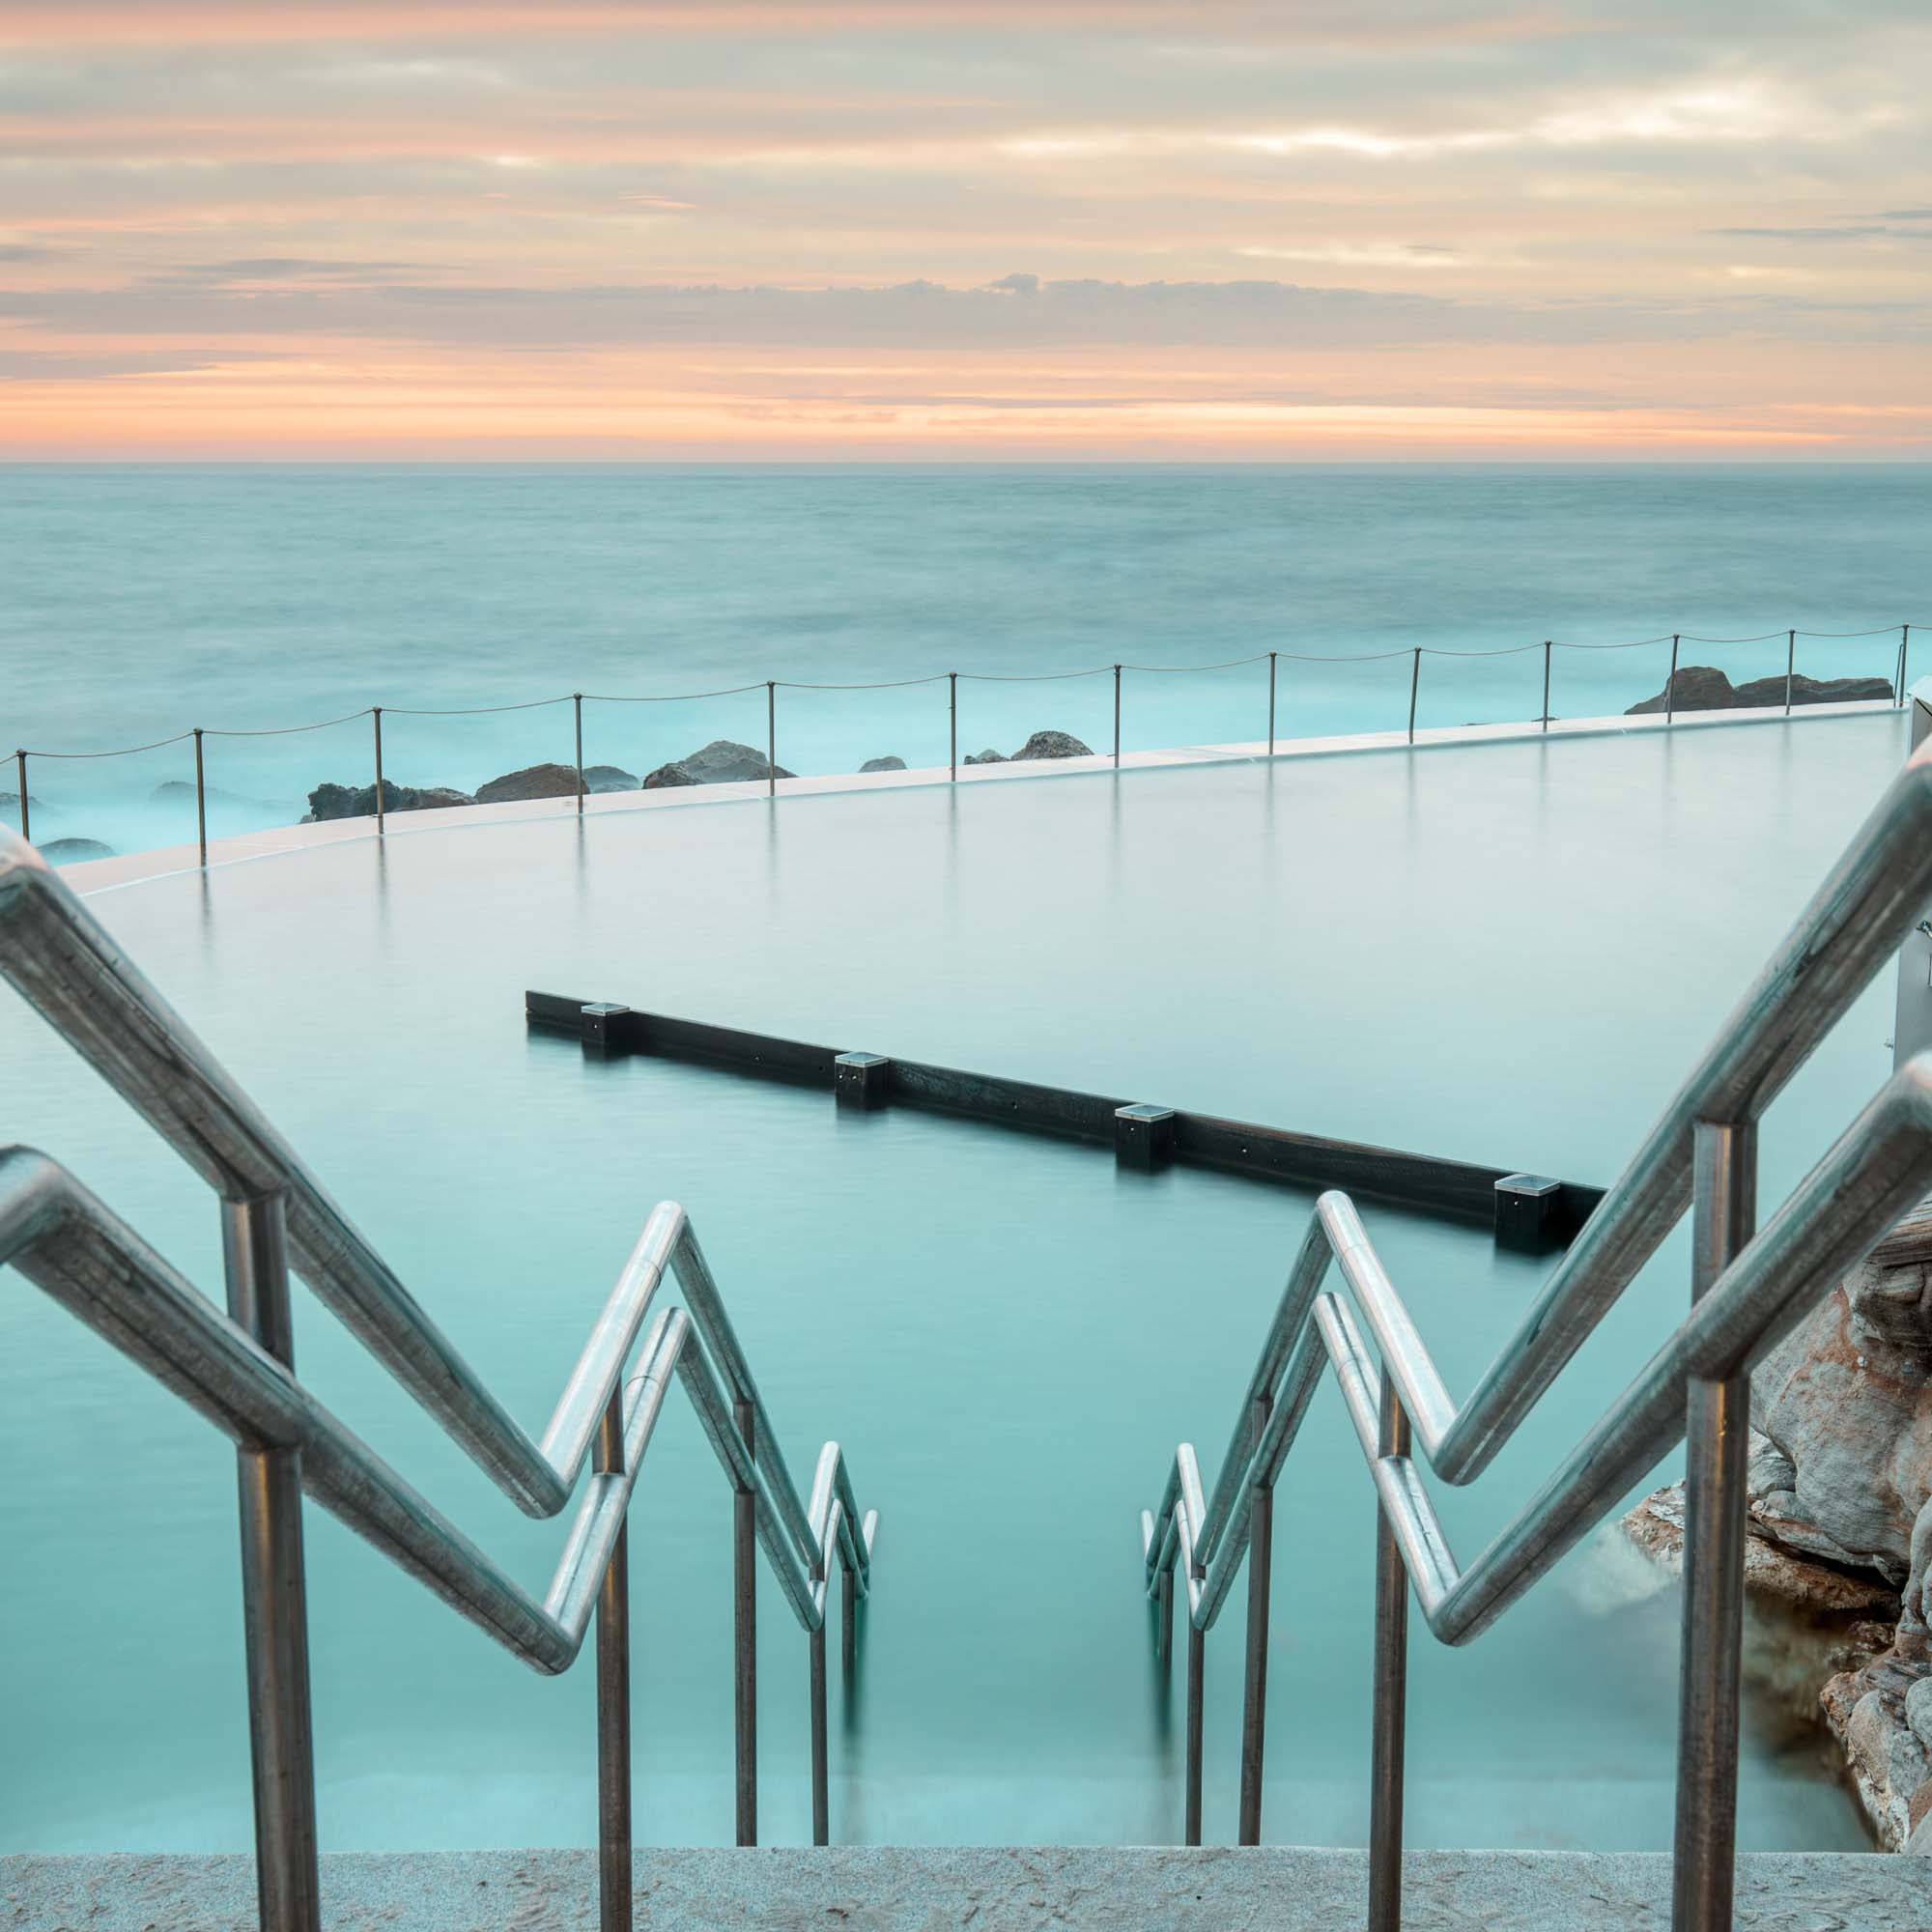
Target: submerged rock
[
  {"x": 1052, "y": 745},
  {"x": 888, "y": 763},
  {"x": 334, "y": 801},
  {"x": 1705, "y": 688},
  {"x": 545, "y": 781},
  {"x": 74, "y": 851},
  {"x": 722, "y": 761},
  {"x": 610, "y": 778},
  {"x": 989, "y": 756}
]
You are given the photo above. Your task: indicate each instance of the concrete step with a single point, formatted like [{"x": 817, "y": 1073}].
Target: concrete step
[{"x": 986, "y": 1889}]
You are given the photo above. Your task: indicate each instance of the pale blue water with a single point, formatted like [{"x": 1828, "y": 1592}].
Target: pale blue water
[
  {"x": 139, "y": 602},
  {"x": 1008, "y": 1336}
]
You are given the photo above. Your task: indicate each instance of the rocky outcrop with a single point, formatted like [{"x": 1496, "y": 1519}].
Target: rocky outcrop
[
  {"x": 610, "y": 778},
  {"x": 1705, "y": 688},
  {"x": 888, "y": 763},
  {"x": 74, "y": 851},
  {"x": 989, "y": 756},
  {"x": 1052, "y": 745},
  {"x": 722, "y": 761},
  {"x": 334, "y": 801},
  {"x": 547, "y": 780}
]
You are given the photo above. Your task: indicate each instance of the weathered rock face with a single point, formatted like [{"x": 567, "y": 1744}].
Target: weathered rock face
[
  {"x": 334, "y": 801},
  {"x": 722, "y": 761},
  {"x": 888, "y": 763},
  {"x": 549, "y": 781},
  {"x": 610, "y": 778},
  {"x": 1704, "y": 688},
  {"x": 1052, "y": 745},
  {"x": 989, "y": 756},
  {"x": 74, "y": 851}
]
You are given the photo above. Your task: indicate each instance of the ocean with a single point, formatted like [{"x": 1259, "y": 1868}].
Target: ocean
[{"x": 143, "y": 601}]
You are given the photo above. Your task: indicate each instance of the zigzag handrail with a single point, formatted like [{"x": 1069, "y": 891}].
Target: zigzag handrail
[{"x": 1749, "y": 1291}]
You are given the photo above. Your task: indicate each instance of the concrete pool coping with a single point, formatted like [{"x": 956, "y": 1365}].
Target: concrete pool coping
[
  {"x": 993, "y": 1888},
  {"x": 97, "y": 875}
]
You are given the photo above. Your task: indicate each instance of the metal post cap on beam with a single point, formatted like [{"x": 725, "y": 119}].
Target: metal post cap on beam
[
  {"x": 599, "y": 1029},
  {"x": 861, "y": 1079},
  {"x": 1529, "y": 1214},
  {"x": 1142, "y": 1137}
]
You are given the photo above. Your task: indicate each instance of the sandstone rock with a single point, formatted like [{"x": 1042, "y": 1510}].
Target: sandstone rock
[
  {"x": 676, "y": 772},
  {"x": 334, "y": 801},
  {"x": 610, "y": 778},
  {"x": 1704, "y": 688},
  {"x": 989, "y": 756},
  {"x": 547, "y": 780},
  {"x": 1052, "y": 745},
  {"x": 74, "y": 851},
  {"x": 888, "y": 763}
]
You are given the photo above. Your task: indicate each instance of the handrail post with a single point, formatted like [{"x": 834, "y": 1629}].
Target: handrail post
[
  {"x": 1271, "y": 659},
  {"x": 614, "y": 1696},
  {"x": 26, "y": 823},
  {"x": 821, "y": 1775},
  {"x": 1670, "y": 683},
  {"x": 274, "y": 1595},
  {"x": 1389, "y": 1722},
  {"x": 745, "y": 1632},
  {"x": 1254, "y": 1689},
  {"x": 1415, "y": 682},
  {"x": 577, "y": 704},
  {"x": 1790, "y": 665},
  {"x": 1546, "y": 683},
  {"x": 376, "y": 712},
  {"x": 1197, "y": 1672},
  {"x": 1116, "y": 718},
  {"x": 1716, "y": 1442},
  {"x": 1904, "y": 631},
  {"x": 952, "y": 725},
  {"x": 771, "y": 738},
  {"x": 200, "y": 801}
]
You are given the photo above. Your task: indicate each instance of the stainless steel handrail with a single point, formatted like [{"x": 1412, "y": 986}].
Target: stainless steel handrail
[
  {"x": 1747, "y": 1292},
  {"x": 236, "y": 1369}
]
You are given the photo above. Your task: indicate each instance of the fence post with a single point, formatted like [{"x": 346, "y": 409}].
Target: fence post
[
  {"x": 771, "y": 738},
  {"x": 1904, "y": 631},
  {"x": 1545, "y": 684},
  {"x": 1414, "y": 681},
  {"x": 614, "y": 1697},
  {"x": 376, "y": 712},
  {"x": 1116, "y": 718},
  {"x": 577, "y": 704},
  {"x": 1388, "y": 1721},
  {"x": 200, "y": 801},
  {"x": 745, "y": 1633},
  {"x": 1790, "y": 665},
  {"x": 1670, "y": 682},
  {"x": 1271, "y": 658},
  {"x": 26, "y": 824},
  {"x": 952, "y": 724}
]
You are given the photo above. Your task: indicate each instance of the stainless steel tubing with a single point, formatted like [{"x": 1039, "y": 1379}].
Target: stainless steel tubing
[
  {"x": 1389, "y": 1719},
  {"x": 613, "y": 1698},
  {"x": 274, "y": 1592},
  {"x": 745, "y": 1629},
  {"x": 200, "y": 799},
  {"x": 1717, "y": 1450},
  {"x": 1254, "y": 1685}
]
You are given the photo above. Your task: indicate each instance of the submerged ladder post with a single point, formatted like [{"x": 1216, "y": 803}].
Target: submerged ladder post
[
  {"x": 1254, "y": 1689},
  {"x": 275, "y": 1591},
  {"x": 1389, "y": 1721},
  {"x": 744, "y": 1631},
  {"x": 613, "y": 1695},
  {"x": 1716, "y": 1447}
]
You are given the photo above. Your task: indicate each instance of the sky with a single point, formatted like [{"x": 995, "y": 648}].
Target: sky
[{"x": 965, "y": 230}]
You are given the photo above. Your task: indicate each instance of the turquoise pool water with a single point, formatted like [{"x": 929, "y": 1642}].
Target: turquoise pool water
[{"x": 1509, "y": 953}]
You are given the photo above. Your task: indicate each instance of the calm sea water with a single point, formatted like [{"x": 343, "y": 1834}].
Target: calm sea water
[{"x": 142, "y": 601}]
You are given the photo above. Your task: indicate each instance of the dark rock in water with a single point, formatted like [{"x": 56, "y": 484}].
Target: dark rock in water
[
  {"x": 74, "y": 851},
  {"x": 10, "y": 801},
  {"x": 1704, "y": 688},
  {"x": 1052, "y": 745},
  {"x": 989, "y": 756},
  {"x": 179, "y": 791},
  {"x": 722, "y": 761},
  {"x": 610, "y": 778},
  {"x": 548, "y": 780},
  {"x": 888, "y": 763},
  {"x": 334, "y": 801}
]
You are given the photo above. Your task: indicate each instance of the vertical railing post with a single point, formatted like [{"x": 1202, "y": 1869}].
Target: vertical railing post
[
  {"x": 1670, "y": 682},
  {"x": 952, "y": 725},
  {"x": 1163, "y": 1617},
  {"x": 821, "y": 1771},
  {"x": 1545, "y": 684},
  {"x": 1116, "y": 718},
  {"x": 1254, "y": 1689},
  {"x": 576, "y": 702},
  {"x": 376, "y": 713},
  {"x": 200, "y": 801},
  {"x": 1414, "y": 681},
  {"x": 1389, "y": 1722},
  {"x": 1271, "y": 659},
  {"x": 614, "y": 1697},
  {"x": 26, "y": 823},
  {"x": 1790, "y": 666},
  {"x": 745, "y": 1633},
  {"x": 274, "y": 1595},
  {"x": 1197, "y": 1672},
  {"x": 1904, "y": 631},
  {"x": 1723, "y": 1211},
  {"x": 771, "y": 738}
]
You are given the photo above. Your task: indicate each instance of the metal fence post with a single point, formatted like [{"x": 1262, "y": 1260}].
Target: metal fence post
[
  {"x": 1197, "y": 1671},
  {"x": 1254, "y": 1689},
  {"x": 274, "y": 1596},
  {"x": 771, "y": 738},
  {"x": 745, "y": 1633},
  {"x": 577, "y": 704},
  {"x": 1790, "y": 665},
  {"x": 1670, "y": 682},
  {"x": 200, "y": 800},
  {"x": 952, "y": 724},
  {"x": 26, "y": 823},
  {"x": 614, "y": 1696},
  {"x": 1904, "y": 631},
  {"x": 1545, "y": 684},
  {"x": 1271, "y": 658},
  {"x": 821, "y": 1777},
  {"x": 1389, "y": 1722},
  {"x": 1414, "y": 681},
  {"x": 376, "y": 712},
  {"x": 1717, "y": 1441},
  {"x": 1116, "y": 718}
]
